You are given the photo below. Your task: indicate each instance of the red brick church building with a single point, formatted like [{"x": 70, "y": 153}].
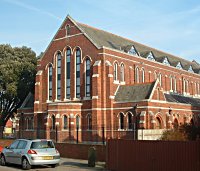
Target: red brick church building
[{"x": 92, "y": 85}]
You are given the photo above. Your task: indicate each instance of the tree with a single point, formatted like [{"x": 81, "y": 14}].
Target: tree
[
  {"x": 17, "y": 77},
  {"x": 174, "y": 135},
  {"x": 183, "y": 133}
]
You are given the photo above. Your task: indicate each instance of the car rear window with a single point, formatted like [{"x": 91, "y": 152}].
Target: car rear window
[{"x": 42, "y": 145}]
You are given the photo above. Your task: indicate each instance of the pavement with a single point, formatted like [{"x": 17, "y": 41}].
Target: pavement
[{"x": 66, "y": 164}]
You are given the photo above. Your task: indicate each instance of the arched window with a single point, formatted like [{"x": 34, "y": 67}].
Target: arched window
[
  {"x": 87, "y": 78},
  {"x": 50, "y": 73},
  {"x": 160, "y": 79},
  {"x": 122, "y": 73},
  {"x": 185, "y": 86},
  {"x": 137, "y": 76},
  {"x": 77, "y": 122},
  {"x": 171, "y": 83},
  {"x": 58, "y": 75},
  {"x": 158, "y": 123},
  {"x": 121, "y": 121},
  {"x": 65, "y": 122},
  {"x": 68, "y": 63},
  {"x": 175, "y": 86},
  {"x": 67, "y": 30},
  {"x": 130, "y": 121},
  {"x": 89, "y": 121},
  {"x": 53, "y": 119},
  {"x": 27, "y": 123},
  {"x": 32, "y": 123},
  {"x": 143, "y": 75},
  {"x": 78, "y": 62},
  {"x": 115, "y": 71}
]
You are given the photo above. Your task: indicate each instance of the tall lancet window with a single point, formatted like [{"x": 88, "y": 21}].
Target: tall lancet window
[
  {"x": 137, "y": 76},
  {"x": 122, "y": 73},
  {"x": 58, "y": 76},
  {"x": 143, "y": 75},
  {"x": 50, "y": 81},
  {"x": 68, "y": 62},
  {"x": 87, "y": 78},
  {"x": 78, "y": 62},
  {"x": 115, "y": 71}
]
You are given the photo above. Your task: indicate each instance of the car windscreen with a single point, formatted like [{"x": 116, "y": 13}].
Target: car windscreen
[{"x": 42, "y": 145}]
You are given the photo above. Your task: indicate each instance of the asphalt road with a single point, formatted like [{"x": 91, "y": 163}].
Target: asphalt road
[{"x": 65, "y": 165}]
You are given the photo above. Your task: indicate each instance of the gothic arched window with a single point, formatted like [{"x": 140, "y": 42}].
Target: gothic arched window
[
  {"x": 87, "y": 78},
  {"x": 58, "y": 75},
  {"x": 121, "y": 121},
  {"x": 78, "y": 62},
  {"x": 68, "y": 80},
  {"x": 50, "y": 74}
]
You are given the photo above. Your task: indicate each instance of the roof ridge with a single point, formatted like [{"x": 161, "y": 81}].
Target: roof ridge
[{"x": 168, "y": 54}]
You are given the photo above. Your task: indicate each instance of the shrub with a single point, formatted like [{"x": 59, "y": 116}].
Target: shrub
[{"x": 183, "y": 133}]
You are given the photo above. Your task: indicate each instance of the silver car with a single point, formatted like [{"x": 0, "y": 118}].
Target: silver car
[{"x": 30, "y": 152}]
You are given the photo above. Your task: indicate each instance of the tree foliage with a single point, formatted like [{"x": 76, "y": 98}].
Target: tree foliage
[
  {"x": 17, "y": 75},
  {"x": 183, "y": 133}
]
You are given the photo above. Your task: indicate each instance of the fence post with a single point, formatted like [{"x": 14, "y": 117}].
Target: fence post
[
  {"x": 134, "y": 132},
  {"x": 103, "y": 136}
]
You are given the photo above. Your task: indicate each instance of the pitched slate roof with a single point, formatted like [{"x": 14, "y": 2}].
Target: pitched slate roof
[
  {"x": 102, "y": 38},
  {"x": 182, "y": 99},
  {"x": 136, "y": 92}
]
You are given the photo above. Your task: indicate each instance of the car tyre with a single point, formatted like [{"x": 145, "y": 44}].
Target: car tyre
[
  {"x": 25, "y": 164},
  {"x": 53, "y": 165},
  {"x": 3, "y": 160}
]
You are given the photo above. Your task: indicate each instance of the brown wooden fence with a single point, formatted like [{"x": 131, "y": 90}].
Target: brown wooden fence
[{"x": 128, "y": 155}]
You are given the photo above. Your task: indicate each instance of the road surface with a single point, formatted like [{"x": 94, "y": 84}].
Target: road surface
[{"x": 65, "y": 165}]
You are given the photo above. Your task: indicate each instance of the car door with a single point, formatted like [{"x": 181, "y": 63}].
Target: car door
[
  {"x": 19, "y": 151},
  {"x": 9, "y": 154}
]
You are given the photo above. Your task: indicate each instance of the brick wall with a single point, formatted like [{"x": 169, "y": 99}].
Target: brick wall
[{"x": 80, "y": 151}]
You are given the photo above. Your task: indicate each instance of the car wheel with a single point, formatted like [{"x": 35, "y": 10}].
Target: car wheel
[
  {"x": 3, "y": 160},
  {"x": 53, "y": 165},
  {"x": 25, "y": 164}
]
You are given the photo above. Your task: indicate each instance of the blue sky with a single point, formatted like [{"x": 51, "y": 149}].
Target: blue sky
[{"x": 172, "y": 26}]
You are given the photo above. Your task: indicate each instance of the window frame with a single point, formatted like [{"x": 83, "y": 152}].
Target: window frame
[
  {"x": 58, "y": 75},
  {"x": 65, "y": 122},
  {"x": 87, "y": 78},
  {"x": 50, "y": 82},
  {"x": 78, "y": 75},
  {"x": 68, "y": 73}
]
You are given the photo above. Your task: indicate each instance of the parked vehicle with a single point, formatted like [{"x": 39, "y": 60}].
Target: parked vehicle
[{"x": 30, "y": 152}]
